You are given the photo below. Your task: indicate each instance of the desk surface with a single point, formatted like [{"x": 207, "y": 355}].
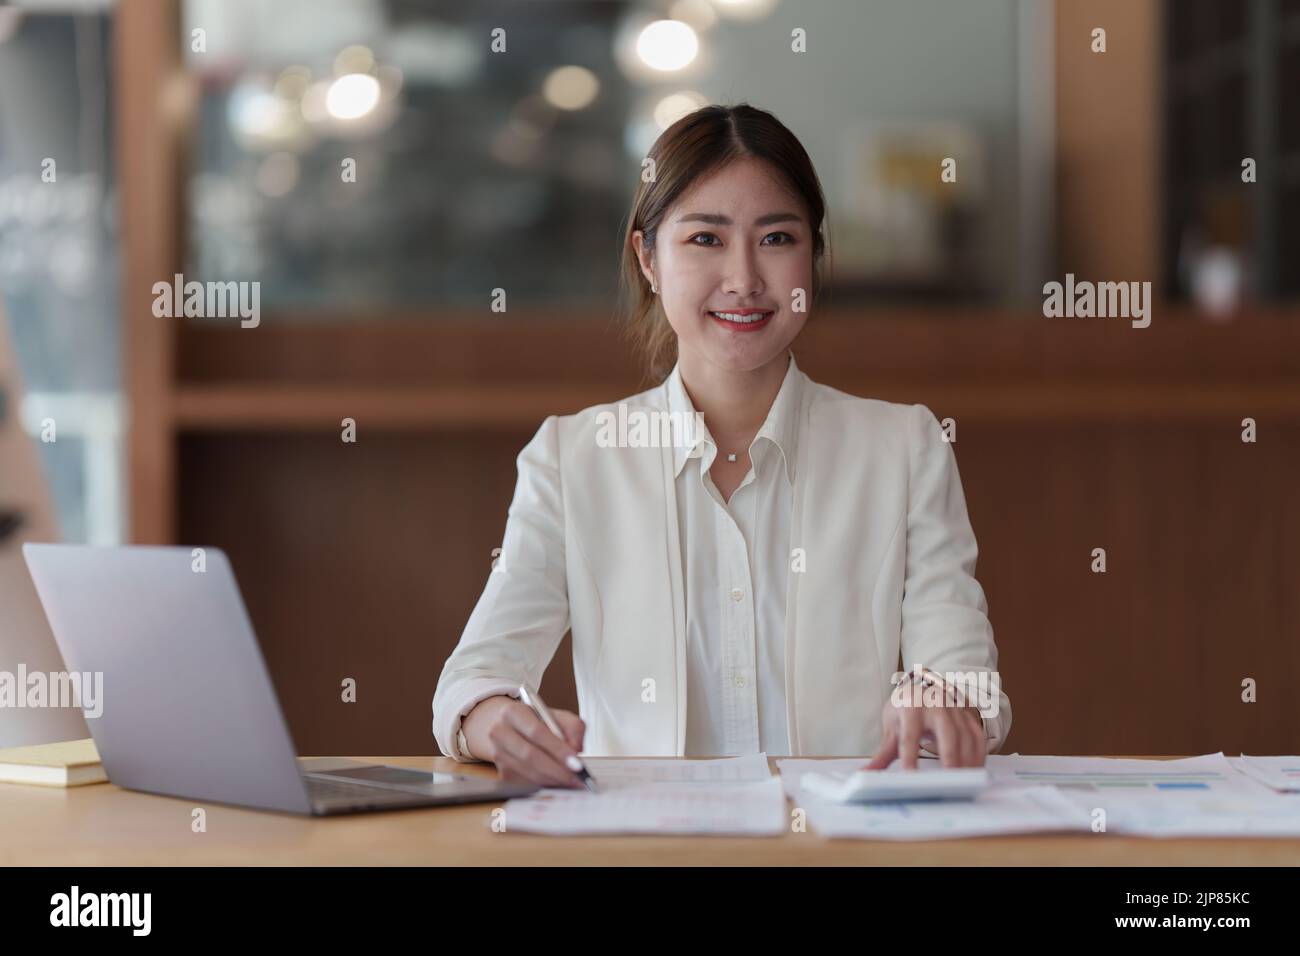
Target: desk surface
[{"x": 103, "y": 825}]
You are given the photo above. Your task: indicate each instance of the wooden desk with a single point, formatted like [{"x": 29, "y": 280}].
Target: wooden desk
[{"x": 104, "y": 825}]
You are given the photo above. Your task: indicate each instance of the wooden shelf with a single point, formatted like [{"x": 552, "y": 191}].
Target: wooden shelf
[
  {"x": 310, "y": 408},
  {"x": 509, "y": 375},
  {"x": 240, "y": 408}
]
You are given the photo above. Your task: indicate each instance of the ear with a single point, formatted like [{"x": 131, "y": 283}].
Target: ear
[{"x": 644, "y": 258}]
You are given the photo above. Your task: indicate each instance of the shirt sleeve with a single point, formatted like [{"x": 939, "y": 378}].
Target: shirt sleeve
[
  {"x": 523, "y": 611},
  {"x": 945, "y": 624}
]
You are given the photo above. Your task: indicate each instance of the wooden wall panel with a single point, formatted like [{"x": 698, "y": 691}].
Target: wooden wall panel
[
  {"x": 357, "y": 560},
  {"x": 1200, "y": 591},
  {"x": 366, "y": 560}
]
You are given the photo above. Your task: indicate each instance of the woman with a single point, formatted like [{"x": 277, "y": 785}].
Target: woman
[{"x": 749, "y": 585}]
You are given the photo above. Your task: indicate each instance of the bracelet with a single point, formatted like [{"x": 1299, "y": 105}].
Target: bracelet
[
  {"x": 932, "y": 679},
  {"x": 462, "y": 744}
]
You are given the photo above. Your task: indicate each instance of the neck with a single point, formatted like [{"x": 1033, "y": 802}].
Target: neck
[{"x": 734, "y": 403}]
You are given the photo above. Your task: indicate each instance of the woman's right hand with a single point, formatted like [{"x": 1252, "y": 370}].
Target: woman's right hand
[{"x": 511, "y": 735}]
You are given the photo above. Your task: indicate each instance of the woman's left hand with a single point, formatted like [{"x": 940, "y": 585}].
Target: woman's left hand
[{"x": 955, "y": 733}]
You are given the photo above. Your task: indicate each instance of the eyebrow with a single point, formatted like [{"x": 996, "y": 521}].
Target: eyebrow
[{"x": 717, "y": 219}]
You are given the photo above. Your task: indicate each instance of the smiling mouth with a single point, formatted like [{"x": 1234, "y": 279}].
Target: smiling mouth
[{"x": 742, "y": 323}]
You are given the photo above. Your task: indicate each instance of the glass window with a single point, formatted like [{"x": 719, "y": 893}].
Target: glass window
[
  {"x": 355, "y": 154},
  {"x": 59, "y": 259}
]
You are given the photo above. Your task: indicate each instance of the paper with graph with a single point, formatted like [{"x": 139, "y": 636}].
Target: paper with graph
[
  {"x": 1211, "y": 773},
  {"x": 1202, "y": 796}
]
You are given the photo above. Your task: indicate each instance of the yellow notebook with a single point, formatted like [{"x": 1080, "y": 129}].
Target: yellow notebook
[{"x": 71, "y": 763}]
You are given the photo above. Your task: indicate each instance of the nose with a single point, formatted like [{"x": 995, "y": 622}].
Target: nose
[{"x": 743, "y": 278}]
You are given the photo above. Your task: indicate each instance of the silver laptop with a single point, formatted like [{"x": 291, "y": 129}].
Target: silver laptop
[{"x": 188, "y": 707}]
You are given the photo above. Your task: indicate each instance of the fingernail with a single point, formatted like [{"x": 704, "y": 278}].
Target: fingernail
[{"x": 573, "y": 763}]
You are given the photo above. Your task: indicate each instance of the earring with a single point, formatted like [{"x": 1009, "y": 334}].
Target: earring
[{"x": 654, "y": 288}]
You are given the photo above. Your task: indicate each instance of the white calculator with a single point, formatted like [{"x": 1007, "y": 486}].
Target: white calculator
[{"x": 871, "y": 786}]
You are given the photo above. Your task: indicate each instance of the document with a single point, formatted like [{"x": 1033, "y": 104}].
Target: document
[
  {"x": 1195, "y": 796},
  {"x": 1199, "y": 815},
  {"x": 741, "y": 808},
  {"x": 1211, "y": 773},
  {"x": 1277, "y": 773},
  {"x": 726, "y": 796},
  {"x": 612, "y": 772}
]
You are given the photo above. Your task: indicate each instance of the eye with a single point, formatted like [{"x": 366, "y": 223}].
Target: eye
[{"x": 787, "y": 239}]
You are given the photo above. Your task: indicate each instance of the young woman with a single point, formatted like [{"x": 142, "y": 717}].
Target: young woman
[{"x": 752, "y": 585}]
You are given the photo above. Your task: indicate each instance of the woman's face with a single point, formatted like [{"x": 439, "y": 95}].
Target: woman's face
[{"x": 738, "y": 240}]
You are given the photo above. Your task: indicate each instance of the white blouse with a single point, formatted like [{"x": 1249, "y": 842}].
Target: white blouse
[{"x": 735, "y": 563}]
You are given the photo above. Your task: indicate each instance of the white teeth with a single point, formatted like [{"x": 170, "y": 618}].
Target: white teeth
[{"x": 746, "y": 319}]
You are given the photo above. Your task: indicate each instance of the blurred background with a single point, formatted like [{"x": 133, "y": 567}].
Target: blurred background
[{"x": 144, "y": 138}]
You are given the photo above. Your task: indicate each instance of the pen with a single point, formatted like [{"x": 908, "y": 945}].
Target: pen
[{"x": 534, "y": 700}]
